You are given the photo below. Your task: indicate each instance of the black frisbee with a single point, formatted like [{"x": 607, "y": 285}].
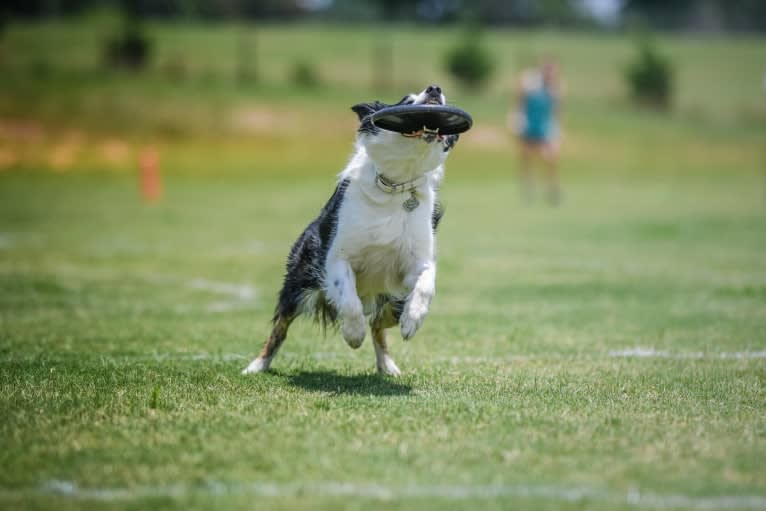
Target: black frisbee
[{"x": 448, "y": 120}]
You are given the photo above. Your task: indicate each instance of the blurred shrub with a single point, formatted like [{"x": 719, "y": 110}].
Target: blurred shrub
[
  {"x": 650, "y": 76},
  {"x": 129, "y": 49},
  {"x": 304, "y": 74},
  {"x": 40, "y": 68},
  {"x": 469, "y": 61}
]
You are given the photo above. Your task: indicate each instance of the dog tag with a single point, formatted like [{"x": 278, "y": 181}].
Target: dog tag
[{"x": 410, "y": 204}]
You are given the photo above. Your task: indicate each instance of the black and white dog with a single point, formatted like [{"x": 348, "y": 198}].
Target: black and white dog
[{"x": 369, "y": 256}]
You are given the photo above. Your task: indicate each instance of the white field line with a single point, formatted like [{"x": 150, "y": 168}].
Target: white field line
[
  {"x": 652, "y": 353},
  {"x": 239, "y": 291},
  {"x": 624, "y": 353},
  {"x": 237, "y": 295},
  {"x": 145, "y": 357},
  {"x": 452, "y": 359},
  {"x": 633, "y": 498}
]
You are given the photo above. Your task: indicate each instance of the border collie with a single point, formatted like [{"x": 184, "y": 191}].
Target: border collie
[{"x": 369, "y": 256}]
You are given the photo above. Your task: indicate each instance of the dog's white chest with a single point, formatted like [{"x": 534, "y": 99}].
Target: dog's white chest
[{"x": 383, "y": 241}]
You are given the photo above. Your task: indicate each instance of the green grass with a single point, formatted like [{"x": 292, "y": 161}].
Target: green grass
[
  {"x": 118, "y": 372},
  {"x": 123, "y": 326}
]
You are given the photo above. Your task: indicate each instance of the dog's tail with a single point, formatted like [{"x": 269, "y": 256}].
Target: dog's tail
[{"x": 311, "y": 302}]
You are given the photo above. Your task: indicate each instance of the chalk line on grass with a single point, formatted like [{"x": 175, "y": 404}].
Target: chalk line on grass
[
  {"x": 239, "y": 295},
  {"x": 239, "y": 291},
  {"x": 623, "y": 353},
  {"x": 633, "y": 498},
  {"x": 203, "y": 355},
  {"x": 640, "y": 352},
  {"x": 451, "y": 359}
]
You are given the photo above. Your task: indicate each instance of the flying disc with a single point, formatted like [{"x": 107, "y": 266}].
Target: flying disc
[{"x": 448, "y": 120}]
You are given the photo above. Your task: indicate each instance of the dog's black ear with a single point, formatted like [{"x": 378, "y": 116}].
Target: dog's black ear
[
  {"x": 450, "y": 141},
  {"x": 365, "y": 109}
]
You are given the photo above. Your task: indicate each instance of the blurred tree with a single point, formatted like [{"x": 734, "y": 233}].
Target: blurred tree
[
  {"x": 393, "y": 9},
  {"x": 749, "y": 15},
  {"x": 304, "y": 75},
  {"x": 662, "y": 14},
  {"x": 470, "y": 62},
  {"x": 130, "y": 47},
  {"x": 650, "y": 76},
  {"x": 527, "y": 13},
  {"x": 659, "y": 13}
]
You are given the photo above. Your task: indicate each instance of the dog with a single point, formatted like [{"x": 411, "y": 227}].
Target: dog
[{"x": 368, "y": 259}]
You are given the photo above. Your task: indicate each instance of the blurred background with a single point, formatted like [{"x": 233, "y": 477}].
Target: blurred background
[
  {"x": 143, "y": 139},
  {"x": 263, "y": 87},
  {"x": 159, "y": 157}
]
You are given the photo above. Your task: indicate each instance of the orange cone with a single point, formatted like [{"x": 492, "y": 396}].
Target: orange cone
[{"x": 149, "y": 175}]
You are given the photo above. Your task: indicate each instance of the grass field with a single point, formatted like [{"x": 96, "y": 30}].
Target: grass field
[{"x": 606, "y": 354}]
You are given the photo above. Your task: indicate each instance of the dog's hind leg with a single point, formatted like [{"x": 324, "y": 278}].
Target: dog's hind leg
[
  {"x": 385, "y": 363},
  {"x": 271, "y": 346},
  {"x": 387, "y": 318}
]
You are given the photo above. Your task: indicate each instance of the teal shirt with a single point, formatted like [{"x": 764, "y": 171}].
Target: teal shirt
[{"x": 538, "y": 110}]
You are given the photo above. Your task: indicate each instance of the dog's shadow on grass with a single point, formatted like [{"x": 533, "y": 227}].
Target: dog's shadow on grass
[{"x": 341, "y": 384}]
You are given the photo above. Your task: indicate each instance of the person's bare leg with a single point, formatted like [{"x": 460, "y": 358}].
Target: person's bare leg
[
  {"x": 550, "y": 158},
  {"x": 526, "y": 182}
]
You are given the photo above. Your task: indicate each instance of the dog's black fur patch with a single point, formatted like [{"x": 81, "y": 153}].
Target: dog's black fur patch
[
  {"x": 305, "y": 264},
  {"x": 450, "y": 141},
  {"x": 363, "y": 110}
]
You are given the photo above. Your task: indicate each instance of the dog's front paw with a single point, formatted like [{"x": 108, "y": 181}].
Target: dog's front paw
[
  {"x": 412, "y": 318},
  {"x": 258, "y": 365},
  {"x": 354, "y": 330}
]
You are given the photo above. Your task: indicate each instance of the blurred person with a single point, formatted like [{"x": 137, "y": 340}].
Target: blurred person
[{"x": 533, "y": 120}]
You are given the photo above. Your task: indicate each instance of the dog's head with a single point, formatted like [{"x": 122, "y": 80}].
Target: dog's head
[{"x": 386, "y": 148}]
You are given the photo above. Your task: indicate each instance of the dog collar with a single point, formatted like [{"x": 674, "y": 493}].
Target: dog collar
[
  {"x": 389, "y": 186},
  {"x": 408, "y": 186}
]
